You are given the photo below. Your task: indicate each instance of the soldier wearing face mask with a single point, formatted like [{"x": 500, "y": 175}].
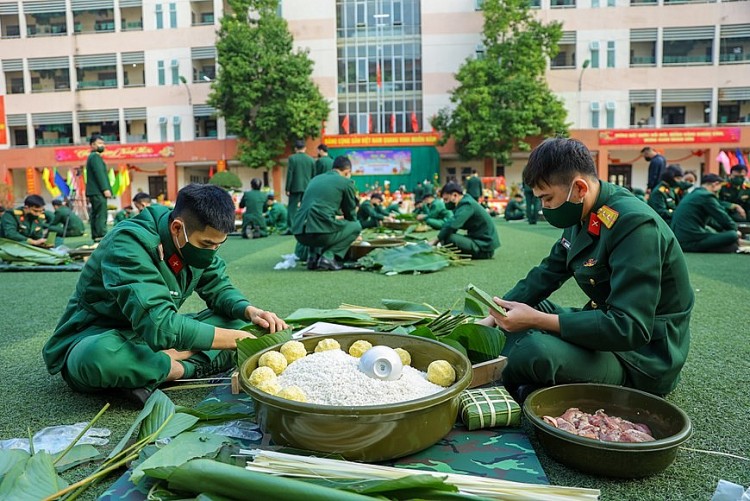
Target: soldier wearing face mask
[
  {"x": 634, "y": 329},
  {"x": 735, "y": 193},
  {"x": 25, "y": 224},
  {"x": 663, "y": 198}
]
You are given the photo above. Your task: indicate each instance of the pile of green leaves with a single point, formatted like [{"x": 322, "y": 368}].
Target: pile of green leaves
[
  {"x": 411, "y": 258},
  {"x": 22, "y": 253}
]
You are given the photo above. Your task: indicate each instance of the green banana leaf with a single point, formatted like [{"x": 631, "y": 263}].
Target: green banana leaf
[
  {"x": 248, "y": 347},
  {"x": 214, "y": 411},
  {"x": 180, "y": 450},
  {"x": 32, "y": 477},
  {"x": 9, "y": 458},
  {"x": 307, "y": 316},
  {"x": 398, "y": 305},
  {"x": 78, "y": 455},
  {"x": 410, "y": 258},
  {"x": 482, "y": 343},
  {"x": 19, "y": 252}
]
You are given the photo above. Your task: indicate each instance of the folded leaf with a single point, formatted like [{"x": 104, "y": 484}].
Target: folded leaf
[
  {"x": 180, "y": 422},
  {"x": 398, "y": 305},
  {"x": 214, "y": 411},
  {"x": 473, "y": 308},
  {"x": 180, "y": 450},
  {"x": 482, "y": 343},
  {"x": 308, "y": 316},
  {"x": 163, "y": 409},
  {"x": 78, "y": 455},
  {"x": 10, "y": 458},
  {"x": 485, "y": 299}
]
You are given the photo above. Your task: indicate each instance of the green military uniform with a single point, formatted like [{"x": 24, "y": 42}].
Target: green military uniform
[
  {"x": 481, "y": 238},
  {"x": 394, "y": 208},
  {"x": 418, "y": 192},
  {"x": 124, "y": 310},
  {"x": 735, "y": 193},
  {"x": 254, "y": 202},
  {"x": 69, "y": 220},
  {"x": 97, "y": 183},
  {"x": 474, "y": 187},
  {"x": 437, "y": 214},
  {"x": 316, "y": 225},
  {"x": 323, "y": 164},
  {"x": 698, "y": 211},
  {"x": 532, "y": 204},
  {"x": 370, "y": 215},
  {"x": 15, "y": 225},
  {"x": 514, "y": 211},
  {"x": 299, "y": 172},
  {"x": 122, "y": 215},
  {"x": 635, "y": 328},
  {"x": 276, "y": 217},
  {"x": 662, "y": 200}
]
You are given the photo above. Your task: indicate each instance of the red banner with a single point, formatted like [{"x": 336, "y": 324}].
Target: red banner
[
  {"x": 32, "y": 188},
  {"x": 3, "y": 128},
  {"x": 116, "y": 152},
  {"x": 669, "y": 136},
  {"x": 355, "y": 140}
]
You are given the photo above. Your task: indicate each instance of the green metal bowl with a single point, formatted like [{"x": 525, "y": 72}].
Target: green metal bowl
[
  {"x": 669, "y": 424},
  {"x": 368, "y": 433}
]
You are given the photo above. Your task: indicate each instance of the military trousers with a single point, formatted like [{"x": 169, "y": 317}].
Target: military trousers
[
  {"x": 295, "y": 199},
  {"x": 119, "y": 359},
  {"x": 255, "y": 224},
  {"x": 470, "y": 246},
  {"x": 334, "y": 244},
  {"x": 543, "y": 359},
  {"x": 515, "y": 215},
  {"x": 533, "y": 205},
  {"x": 98, "y": 216},
  {"x": 724, "y": 242}
]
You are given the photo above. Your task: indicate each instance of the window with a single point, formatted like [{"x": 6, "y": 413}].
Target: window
[
  {"x": 361, "y": 69},
  {"x": 361, "y": 14},
  {"x": 478, "y": 4},
  {"x": 175, "y": 72},
  {"x": 611, "y": 54},
  {"x": 672, "y": 115},
  {"x": 159, "y": 17},
  {"x": 480, "y": 51},
  {"x": 611, "y": 105},
  {"x": 594, "y": 4},
  {"x": 398, "y": 14},
  {"x": 594, "y": 115},
  {"x": 160, "y": 71},
  {"x": 594, "y": 48},
  {"x": 162, "y": 129},
  {"x": 611, "y": 3},
  {"x": 173, "y": 15},
  {"x": 177, "y": 125}
]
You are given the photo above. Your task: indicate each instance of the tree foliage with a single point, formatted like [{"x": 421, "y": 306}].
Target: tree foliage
[
  {"x": 503, "y": 98},
  {"x": 227, "y": 180},
  {"x": 263, "y": 88}
]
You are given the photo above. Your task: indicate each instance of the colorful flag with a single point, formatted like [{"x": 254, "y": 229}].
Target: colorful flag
[
  {"x": 345, "y": 124},
  {"x": 48, "y": 177},
  {"x": 211, "y": 172},
  {"x": 61, "y": 184},
  {"x": 114, "y": 183},
  {"x": 740, "y": 157},
  {"x": 414, "y": 122}
]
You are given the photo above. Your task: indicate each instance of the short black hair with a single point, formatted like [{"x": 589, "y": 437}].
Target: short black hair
[
  {"x": 271, "y": 197},
  {"x": 738, "y": 168},
  {"x": 94, "y": 137},
  {"x": 128, "y": 207},
  {"x": 256, "y": 183},
  {"x": 710, "y": 179},
  {"x": 671, "y": 172},
  {"x": 379, "y": 196},
  {"x": 57, "y": 202},
  {"x": 557, "y": 161},
  {"x": 299, "y": 144},
  {"x": 691, "y": 172},
  {"x": 323, "y": 147},
  {"x": 452, "y": 188},
  {"x": 474, "y": 171},
  {"x": 141, "y": 196},
  {"x": 646, "y": 148},
  {"x": 201, "y": 205},
  {"x": 33, "y": 201},
  {"x": 342, "y": 163}
]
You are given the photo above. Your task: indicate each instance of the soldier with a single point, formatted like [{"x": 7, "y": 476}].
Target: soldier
[
  {"x": 124, "y": 214},
  {"x": 318, "y": 227},
  {"x": 474, "y": 186},
  {"x": 514, "y": 210},
  {"x": 98, "y": 189},
  {"x": 25, "y": 224},
  {"x": 634, "y": 330},
  {"x": 701, "y": 224},
  {"x": 418, "y": 193},
  {"x": 324, "y": 163},
  {"x": 276, "y": 215},
  {"x": 299, "y": 172},
  {"x": 735, "y": 194},
  {"x": 141, "y": 200},
  {"x": 532, "y": 204},
  {"x": 67, "y": 219},
  {"x": 489, "y": 208},
  {"x": 122, "y": 329},
  {"x": 434, "y": 213},
  {"x": 253, "y": 220},
  {"x": 663, "y": 198},
  {"x": 481, "y": 238},
  {"x": 371, "y": 213}
]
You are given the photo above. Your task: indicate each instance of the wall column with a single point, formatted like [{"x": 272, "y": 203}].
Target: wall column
[
  {"x": 602, "y": 163},
  {"x": 171, "y": 181},
  {"x": 712, "y": 166}
]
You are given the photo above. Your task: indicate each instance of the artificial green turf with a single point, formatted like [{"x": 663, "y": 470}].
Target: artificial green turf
[{"x": 713, "y": 391}]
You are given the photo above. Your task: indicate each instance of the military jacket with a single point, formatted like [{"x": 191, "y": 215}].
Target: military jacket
[
  {"x": 97, "y": 181},
  {"x": 299, "y": 172},
  {"x": 369, "y": 214},
  {"x": 437, "y": 210},
  {"x": 15, "y": 225},
  {"x": 276, "y": 216},
  {"x": 663, "y": 201},
  {"x": 135, "y": 282},
  {"x": 474, "y": 187},
  {"x": 253, "y": 201},
  {"x": 418, "y": 192},
  {"x": 630, "y": 266},
  {"x": 736, "y": 194},
  {"x": 326, "y": 196},
  {"x": 323, "y": 165},
  {"x": 472, "y": 217},
  {"x": 699, "y": 209},
  {"x": 514, "y": 208},
  {"x": 64, "y": 215},
  {"x": 122, "y": 215}
]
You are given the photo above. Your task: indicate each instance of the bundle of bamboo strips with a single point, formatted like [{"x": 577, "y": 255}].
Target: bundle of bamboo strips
[
  {"x": 390, "y": 315},
  {"x": 289, "y": 465}
]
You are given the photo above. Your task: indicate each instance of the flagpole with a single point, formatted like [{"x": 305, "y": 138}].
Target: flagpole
[{"x": 379, "y": 26}]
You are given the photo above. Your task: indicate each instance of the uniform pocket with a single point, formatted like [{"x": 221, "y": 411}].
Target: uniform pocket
[{"x": 594, "y": 282}]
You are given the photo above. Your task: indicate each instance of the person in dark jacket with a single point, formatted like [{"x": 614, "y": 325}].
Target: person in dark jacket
[{"x": 656, "y": 165}]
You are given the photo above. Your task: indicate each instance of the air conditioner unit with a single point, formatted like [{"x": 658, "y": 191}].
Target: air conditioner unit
[
  {"x": 162, "y": 120},
  {"x": 611, "y": 105},
  {"x": 594, "y": 45},
  {"x": 595, "y": 106}
]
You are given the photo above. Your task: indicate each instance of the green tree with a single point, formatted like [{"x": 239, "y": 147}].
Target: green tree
[
  {"x": 503, "y": 97},
  {"x": 263, "y": 88},
  {"x": 227, "y": 180}
]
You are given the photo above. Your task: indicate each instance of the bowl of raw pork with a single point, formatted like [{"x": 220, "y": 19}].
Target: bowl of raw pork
[
  {"x": 607, "y": 430},
  {"x": 354, "y": 427}
]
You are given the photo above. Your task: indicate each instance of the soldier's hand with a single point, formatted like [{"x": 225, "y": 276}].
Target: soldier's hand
[
  {"x": 741, "y": 212},
  {"x": 38, "y": 242},
  {"x": 265, "y": 319},
  {"x": 523, "y": 317},
  {"x": 107, "y": 193}
]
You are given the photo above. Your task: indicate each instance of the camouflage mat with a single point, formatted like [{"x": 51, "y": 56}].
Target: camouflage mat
[
  {"x": 502, "y": 453},
  {"x": 40, "y": 267}
]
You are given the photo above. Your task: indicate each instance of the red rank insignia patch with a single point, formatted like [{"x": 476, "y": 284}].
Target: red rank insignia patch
[
  {"x": 175, "y": 263},
  {"x": 595, "y": 225}
]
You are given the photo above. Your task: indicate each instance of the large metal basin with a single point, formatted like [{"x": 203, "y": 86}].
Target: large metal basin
[{"x": 368, "y": 433}]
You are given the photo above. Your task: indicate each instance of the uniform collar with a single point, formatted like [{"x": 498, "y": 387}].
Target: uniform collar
[
  {"x": 170, "y": 254},
  {"x": 605, "y": 191}
]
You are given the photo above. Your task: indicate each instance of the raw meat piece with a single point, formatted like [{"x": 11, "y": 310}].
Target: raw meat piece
[{"x": 600, "y": 426}]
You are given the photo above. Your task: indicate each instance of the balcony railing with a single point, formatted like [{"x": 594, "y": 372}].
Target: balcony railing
[
  {"x": 132, "y": 25},
  {"x": 643, "y": 2},
  {"x": 55, "y": 141},
  {"x": 643, "y": 61},
  {"x": 562, "y": 4},
  {"x": 104, "y": 26},
  {"x": 97, "y": 84},
  {"x": 687, "y": 60},
  {"x": 734, "y": 58}
]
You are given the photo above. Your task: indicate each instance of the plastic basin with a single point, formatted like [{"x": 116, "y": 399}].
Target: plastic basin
[
  {"x": 669, "y": 424},
  {"x": 367, "y": 433}
]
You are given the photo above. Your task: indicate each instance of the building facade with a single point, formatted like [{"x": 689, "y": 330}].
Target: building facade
[{"x": 139, "y": 72}]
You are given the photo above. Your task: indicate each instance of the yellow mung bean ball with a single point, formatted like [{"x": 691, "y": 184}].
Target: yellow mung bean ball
[
  {"x": 293, "y": 393},
  {"x": 358, "y": 348},
  {"x": 261, "y": 375},
  {"x": 440, "y": 372},
  {"x": 327, "y": 344},
  {"x": 404, "y": 355},
  {"x": 274, "y": 360},
  {"x": 293, "y": 350},
  {"x": 270, "y": 386}
]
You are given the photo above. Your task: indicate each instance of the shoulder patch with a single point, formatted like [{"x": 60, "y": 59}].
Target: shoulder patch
[
  {"x": 607, "y": 215},
  {"x": 663, "y": 189}
]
